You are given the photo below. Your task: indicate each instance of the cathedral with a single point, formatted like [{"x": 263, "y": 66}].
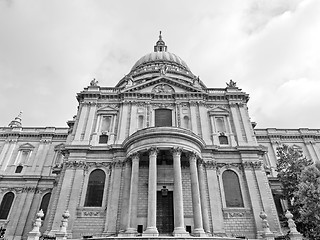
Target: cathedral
[{"x": 158, "y": 155}]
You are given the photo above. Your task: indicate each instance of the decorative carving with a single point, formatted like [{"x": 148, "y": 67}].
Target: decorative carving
[
  {"x": 153, "y": 151},
  {"x": 163, "y": 88},
  {"x": 91, "y": 213},
  {"x": 76, "y": 164},
  {"x": 211, "y": 164},
  {"x": 241, "y": 213},
  {"x": 252, "y": 165},
  {"x": 176, "y": 151},
  {"x": 196, "y": 82},
  {"x": 162, "y": 105},
  {"x": 117, "y": 164},
  {"x": 163, "y": 69},
  {"x": 231, "y": 84},
  {"x": 94, "y": 82}
]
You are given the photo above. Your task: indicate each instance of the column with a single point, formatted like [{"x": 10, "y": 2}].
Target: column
[
  {"x": 179, "y": 228},
  {"x": 197, "y": 215},
  {"x": 133, "y": 198},
  {"x": 152, "y": 195},
  {"x": 203, "y": 197}
]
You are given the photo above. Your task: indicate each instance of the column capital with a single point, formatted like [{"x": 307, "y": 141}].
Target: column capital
[
  {"x": 176, "y": 151},
  {"x": 153, "y": 151},
  {"x": 135, "y": 156},
  {"x": 193, "y": 156}
]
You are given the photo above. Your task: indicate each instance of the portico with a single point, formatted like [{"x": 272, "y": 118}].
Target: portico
[{"x": 173, "y": 158}]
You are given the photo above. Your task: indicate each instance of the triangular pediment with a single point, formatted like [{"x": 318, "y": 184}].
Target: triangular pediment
[
  {"x": 59, "y": 147},
  {"x": 163, "y": 84},
  {"x": 218, "y": 111},
  {"x": 26, "y": 146},
  {"x": 107, "y": 109}
]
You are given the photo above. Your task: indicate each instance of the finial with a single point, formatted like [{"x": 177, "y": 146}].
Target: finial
[
  {"x": 160, "y": 36},
  {"x": 17, "y": 121}
]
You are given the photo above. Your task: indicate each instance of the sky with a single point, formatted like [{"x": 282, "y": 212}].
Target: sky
[{"x": 51, "y": 50}]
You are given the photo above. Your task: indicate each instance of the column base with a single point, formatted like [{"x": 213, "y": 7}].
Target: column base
[
  {"x": 199, "y": 232},
  {"x": 130, "y": 232},
  {"x": 151, "y": 232},
  {"x": 180, "y": 232}
]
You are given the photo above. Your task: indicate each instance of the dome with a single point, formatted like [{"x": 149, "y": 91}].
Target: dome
[{"x": 160, "y": 57}]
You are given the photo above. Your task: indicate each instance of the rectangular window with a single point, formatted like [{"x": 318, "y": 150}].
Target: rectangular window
[
  {"x": 106, "y": 123},
  {"x": 220, "y": 124},
  {"x": 163, "y": 118}
]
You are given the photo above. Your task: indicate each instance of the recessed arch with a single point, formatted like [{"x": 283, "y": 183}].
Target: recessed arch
[{"x": 95, "y": 188}]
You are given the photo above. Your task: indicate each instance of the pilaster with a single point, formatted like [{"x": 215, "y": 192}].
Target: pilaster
[
  {"x": 113, "y": 199},
  {"x": 236, "y": 122},
  {"x": 133, "y": 199},
  {"x": 215, "y": 197}
]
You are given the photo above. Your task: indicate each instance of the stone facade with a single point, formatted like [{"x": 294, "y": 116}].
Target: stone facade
[{"x": 158, "y": 154}]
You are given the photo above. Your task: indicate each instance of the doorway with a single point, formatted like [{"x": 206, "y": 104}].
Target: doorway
[{"x": 165, "y": 212}]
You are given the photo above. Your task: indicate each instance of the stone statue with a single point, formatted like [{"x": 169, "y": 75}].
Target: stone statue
[
  {"x": 196, "y": 81},
  {"x": 129, "y": 80},
  {"x": 94, "y": 82},
  {"x": 163, "y": 69},
  {"x": 231, "y": 84}
]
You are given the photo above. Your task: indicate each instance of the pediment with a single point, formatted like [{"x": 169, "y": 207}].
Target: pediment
[
  {"x": 218, "y": 111},
  {"x": 107, "y": 109},
  {"x": 162, "y": 85},
  {"x": 26, "y": 146},
  {"x": 295, "y": 146},
  {"x": 59, "y": 147}
]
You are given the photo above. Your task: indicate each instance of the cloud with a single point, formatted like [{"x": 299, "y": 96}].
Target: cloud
[{"x": 51, "y": 50}]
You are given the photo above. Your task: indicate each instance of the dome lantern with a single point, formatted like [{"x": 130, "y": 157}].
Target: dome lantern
[{"x": 160, "y": 45}]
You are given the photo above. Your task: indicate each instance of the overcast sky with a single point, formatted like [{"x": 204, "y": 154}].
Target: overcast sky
[{"x": 50, "y": 50}]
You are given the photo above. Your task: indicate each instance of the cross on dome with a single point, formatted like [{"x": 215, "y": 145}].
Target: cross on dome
[{"x": 160, "y": 45}]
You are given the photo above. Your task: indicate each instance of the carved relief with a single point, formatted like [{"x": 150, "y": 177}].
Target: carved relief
[
  {"x": 163, "y": 88},
  {"x": 252, "y": 165},
  {"x": 75, "y": 164}
]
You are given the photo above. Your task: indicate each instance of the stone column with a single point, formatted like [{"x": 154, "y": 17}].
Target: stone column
[
  {"x": 179, "y": 228},
  {"x": 203, "y": 197},
  {"x": 133, "y": 199},
  {"x": 152, "y": 195},
  {"x": 197, "y": 214}
]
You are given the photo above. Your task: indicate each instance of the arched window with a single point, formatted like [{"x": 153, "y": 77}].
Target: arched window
[
  {"x": 45, "y": 203},
  {"x": 95, "y": 189},
  {"x": 6, "y": 205},
  {"x": 163, "y": 118},
  {"x": 186, "y": 122},
  {"x": 232, "y": 189}
]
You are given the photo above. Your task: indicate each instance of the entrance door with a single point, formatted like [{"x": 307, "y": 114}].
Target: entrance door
[{"x": 165, "y": 213}]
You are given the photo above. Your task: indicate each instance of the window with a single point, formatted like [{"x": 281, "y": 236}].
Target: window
[
  {"x": 106, "y": 123},
  {"x": 140, "y": 122},
  {"x": 163, "y": 118},
  {"x": 223, "y": 140},
  {"x": 19, "y": 169},
  {"x": 103, "y": 138},
  {"x": 6, "y": 205},
  {"x": 220, "y": 124},
  {"x": 45, "y": 203},
  {"x": 186, "y": 122},
  {"x": 232, "y": 189},
  {"x": 95, "y": 189}
]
